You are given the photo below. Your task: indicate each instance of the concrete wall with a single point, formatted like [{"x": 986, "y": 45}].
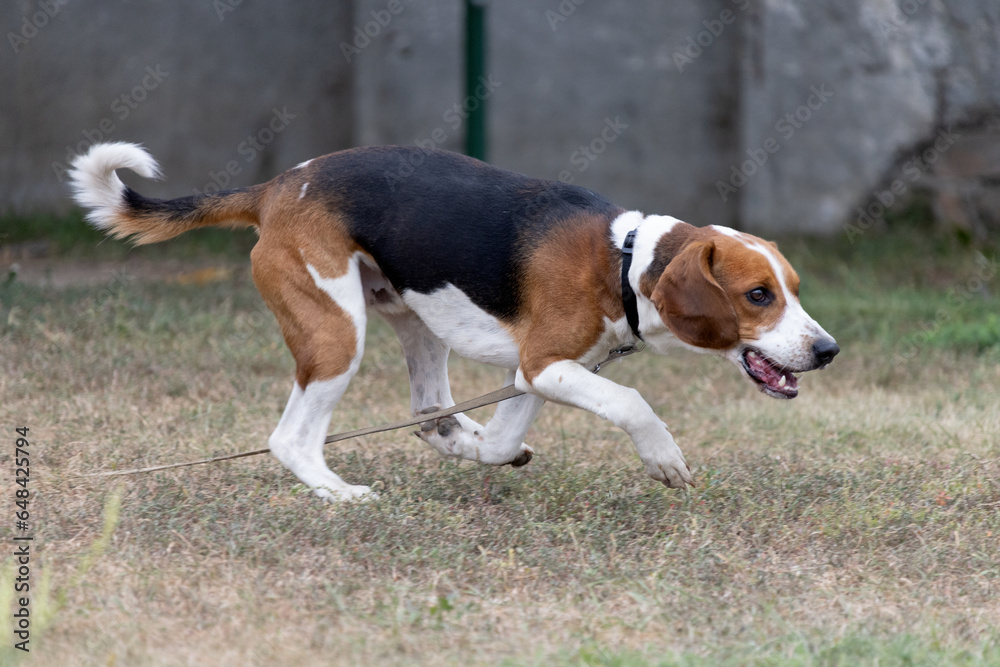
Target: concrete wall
[
  {"x": 250, "y": 85},
  {"x": 584, "y": 91},
  {"x": 894, "y": 74},
  {"x": 776, "y": 115}
]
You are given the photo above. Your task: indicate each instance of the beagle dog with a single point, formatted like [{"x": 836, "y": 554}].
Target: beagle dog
[{"x": 539, "y": 277}]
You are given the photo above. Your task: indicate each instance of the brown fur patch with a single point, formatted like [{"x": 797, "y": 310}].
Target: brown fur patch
[
  {"x": 691, "y": 302},
  {"x": 151, "y": 221},
  {"x": 669, "y": 245},
  {"x": 571, "y": 284},
  {"x": 736, "y": 268},
  {"x": 319, "y": 333},
  {"x": 740, "y": 269}
]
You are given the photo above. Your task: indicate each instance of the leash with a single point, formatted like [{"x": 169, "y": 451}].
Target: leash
[{"x": 510, "y": 391}]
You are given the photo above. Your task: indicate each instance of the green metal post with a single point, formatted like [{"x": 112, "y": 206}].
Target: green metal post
[{"x": 475, "y": 74}]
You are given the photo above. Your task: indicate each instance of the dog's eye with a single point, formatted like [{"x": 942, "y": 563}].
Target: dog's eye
[{"x": 760, "y": 296}]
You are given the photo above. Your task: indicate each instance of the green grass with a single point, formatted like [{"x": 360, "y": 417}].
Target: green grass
[
  {"x": 69, "y": 236},
  {"x": 909, "y": 288},
  {"x": 858, "y": 524}
]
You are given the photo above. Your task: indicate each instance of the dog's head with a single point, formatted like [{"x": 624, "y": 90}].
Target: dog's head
[{"x": 720, "y": 290}]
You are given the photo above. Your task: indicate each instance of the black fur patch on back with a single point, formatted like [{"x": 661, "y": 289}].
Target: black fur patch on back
[{"x": 431, "y": 217}]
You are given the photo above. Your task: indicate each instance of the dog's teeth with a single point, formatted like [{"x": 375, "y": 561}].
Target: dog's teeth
[{"x": 781, "y": 382}]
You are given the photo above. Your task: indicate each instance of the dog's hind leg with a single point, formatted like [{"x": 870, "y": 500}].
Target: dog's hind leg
[
  {"x": 319, "y": 304},
  {"x": 298, "y": 440},
  {"x": 499, "y": 442},
  {"x": 427, "y": 363}
]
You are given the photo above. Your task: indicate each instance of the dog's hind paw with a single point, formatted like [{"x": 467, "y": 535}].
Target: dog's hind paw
[
  {"x": 443, "y": 425},
  {"x": 463, "y": 438},
  {"x": 346, "y": 493},
  {"x": 443, "y": 433}
]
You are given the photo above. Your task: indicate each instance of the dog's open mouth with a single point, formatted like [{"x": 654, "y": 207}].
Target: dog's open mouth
[{"x": 770, "y": 378}]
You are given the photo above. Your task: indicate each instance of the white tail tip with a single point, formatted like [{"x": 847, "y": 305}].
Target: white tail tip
[{"x": 95, "y": 184}]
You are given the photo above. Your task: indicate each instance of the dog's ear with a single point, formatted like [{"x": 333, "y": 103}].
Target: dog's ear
[{"x": 692, "y": 303}]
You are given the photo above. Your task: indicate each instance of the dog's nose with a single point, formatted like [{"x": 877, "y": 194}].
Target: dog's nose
[{"x": 825, "y": 350}]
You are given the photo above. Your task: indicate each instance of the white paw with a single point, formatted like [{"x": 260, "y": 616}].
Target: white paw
[
  {"x": 345, "y": 493},
  {"x": 450, "y": 436},
  {"x": 443, "y": 433},
  {"x": 671, "y": 469}
]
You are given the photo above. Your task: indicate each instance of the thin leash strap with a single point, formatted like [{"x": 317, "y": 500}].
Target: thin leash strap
[
  {"x": 510, "y": 391},
  {"x": 493, "y": 397}
]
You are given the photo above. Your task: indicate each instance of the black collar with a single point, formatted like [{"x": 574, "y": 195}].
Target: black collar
[{"x": 628, "y": 295}]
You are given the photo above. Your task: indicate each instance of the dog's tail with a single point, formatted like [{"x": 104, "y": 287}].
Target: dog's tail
[{"x": 120, "y": 211}]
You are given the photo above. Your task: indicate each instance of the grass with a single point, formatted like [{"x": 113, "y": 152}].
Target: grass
[
  {"x": 857, "y": 524},
  {"x": 69, "y": 237}
]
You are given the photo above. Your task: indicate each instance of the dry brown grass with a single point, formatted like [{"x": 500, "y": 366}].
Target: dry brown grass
[{"x": 858, "y": 523}]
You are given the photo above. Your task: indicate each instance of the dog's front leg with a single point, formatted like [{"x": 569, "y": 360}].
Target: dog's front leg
[{"x": 570, "y": 383}]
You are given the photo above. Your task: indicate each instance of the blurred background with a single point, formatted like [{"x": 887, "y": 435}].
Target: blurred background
[{"x": 779, "y": 116}]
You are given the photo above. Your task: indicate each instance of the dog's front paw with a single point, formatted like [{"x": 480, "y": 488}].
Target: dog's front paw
[
  {"x": 523, "y": 458},
  {"x": 671, "y": 469}
]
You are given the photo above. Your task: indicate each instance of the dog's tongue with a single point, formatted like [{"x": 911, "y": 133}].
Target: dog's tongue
[{"x": 776, "y": 379}]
